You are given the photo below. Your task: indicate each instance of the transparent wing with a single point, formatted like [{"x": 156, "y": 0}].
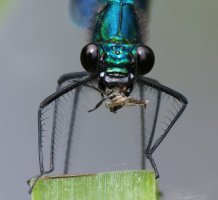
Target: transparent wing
[{"x": 82, "y": 11}]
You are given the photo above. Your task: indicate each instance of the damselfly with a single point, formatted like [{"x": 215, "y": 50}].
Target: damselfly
[{"x": 115, "y": 61}]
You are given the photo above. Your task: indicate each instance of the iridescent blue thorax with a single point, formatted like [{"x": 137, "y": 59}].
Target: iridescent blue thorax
[
  {"x": 117, "y": 23},
  {"x": 117, "y": 33}
]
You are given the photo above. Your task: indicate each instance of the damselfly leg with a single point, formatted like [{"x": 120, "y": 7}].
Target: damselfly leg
[{"x": 77, "y": 79}]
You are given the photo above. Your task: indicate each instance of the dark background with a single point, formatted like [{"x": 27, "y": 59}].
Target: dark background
[{"x": 38, "y": 43}]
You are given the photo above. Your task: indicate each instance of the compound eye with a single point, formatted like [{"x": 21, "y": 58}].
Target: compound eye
[
  {"x": 89, "y": 57},
  {"x": 144, "y": 59}
]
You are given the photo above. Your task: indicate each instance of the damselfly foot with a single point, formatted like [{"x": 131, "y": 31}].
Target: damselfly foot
[{"x": 31, "y": 182}]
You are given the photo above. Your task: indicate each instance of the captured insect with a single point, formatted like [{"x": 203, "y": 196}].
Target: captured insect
[{"x": 115, "y": 62}]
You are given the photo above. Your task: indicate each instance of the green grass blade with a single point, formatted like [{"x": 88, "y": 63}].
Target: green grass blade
[{"x": 124, "y": 185}]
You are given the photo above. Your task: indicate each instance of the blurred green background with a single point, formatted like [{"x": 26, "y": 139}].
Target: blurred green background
[
  {"x": 5, "y": 8},
  {"x": 38, "y": 43}
]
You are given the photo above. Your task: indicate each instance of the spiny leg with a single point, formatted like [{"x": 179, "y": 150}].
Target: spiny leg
[
  {"x": 153, "y": 164},
  {"x": 143, "y": 136},
  {"x": 161, "y": 89},
  {"x": 94, "y": 88},
  {"x": 60, "y": 92},
  {"x": 70, "y": 132},
  {"x": 65, "y": 77}
]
